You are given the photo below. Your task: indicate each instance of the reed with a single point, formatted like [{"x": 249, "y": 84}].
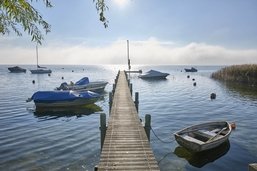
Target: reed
[{"x": 246, "y": 74}]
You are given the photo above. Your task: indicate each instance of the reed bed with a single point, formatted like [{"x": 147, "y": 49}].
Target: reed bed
[{"x": 246, "y": 74}]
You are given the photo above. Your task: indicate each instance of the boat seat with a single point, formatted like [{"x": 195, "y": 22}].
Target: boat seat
[
  {"x": 215, "y": 130},
  {"x": 206, "y": 134},
  {"x": 191, "y": 139}
]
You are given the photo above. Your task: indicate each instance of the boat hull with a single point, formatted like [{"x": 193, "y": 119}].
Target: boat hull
[
  {"x": 154, "y": 77},
  {"x": 16, "y": 69},
  {"x": 97, "y": 87},
  {"x": 191, "y": 70},
  {"x": 152, "y": 74},
  {"x": 68, "y": 103},
  {"x": 41, "y": 71},
  {"x": 189, "y": 137},
  {"x": 63, "y": 98}
]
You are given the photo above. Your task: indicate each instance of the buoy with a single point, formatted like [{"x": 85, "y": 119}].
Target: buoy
[
  {"x": 233, "y": 125},
  {"x": 72, "y": 71},
  {"x": 188, "y": 76},
  {"x": 194, "y": 84},
  {"x": 213, "y": 96},
  {"x": 49, "y": 75},
  {"x": 193, "y": 79},
  {"x": 62, "y": 78},
  {"x": 33, "y": 81}
]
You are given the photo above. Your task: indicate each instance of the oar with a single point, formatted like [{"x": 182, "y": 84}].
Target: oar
[{"x": 217, "y": 134}]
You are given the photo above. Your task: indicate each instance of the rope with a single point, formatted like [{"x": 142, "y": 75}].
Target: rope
[
  {"x": 161, "y": 139},
  {"x": 164, "y": 157}
]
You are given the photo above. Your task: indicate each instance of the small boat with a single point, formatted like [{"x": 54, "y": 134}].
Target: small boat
[
  {"x": 192, "y": 69},
  {"x": 203, "y": 136},
  {"x": 40, "y": 70},
  {"x": 16, "y": 69},
  {"x": 63, "y": 98},
  {"x": 153, "y": 74},
  {"x": 84, "y": 85}
]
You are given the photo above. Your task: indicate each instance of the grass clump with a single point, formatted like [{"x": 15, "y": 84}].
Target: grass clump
[{"x": 246, "y": 74}]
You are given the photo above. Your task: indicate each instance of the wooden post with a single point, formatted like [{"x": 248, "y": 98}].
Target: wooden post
[
  {"x": 113, "y": 88},
  {"x": 131, "y": 88},
  {"x": 110, "y": 102},
  {"x": 102, "y": 128},
  {"x": 148, "y": 125},
  {"x": 136, "y": 100}
]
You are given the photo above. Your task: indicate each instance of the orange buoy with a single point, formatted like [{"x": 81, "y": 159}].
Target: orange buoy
[{"x": 233, "y": 125}]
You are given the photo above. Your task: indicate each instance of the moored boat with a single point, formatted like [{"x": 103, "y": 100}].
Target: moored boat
[
  {"x": 203, "y": 136},
  {"x": 63, "y": 98},
  {"x": 192, "y": 69},
  {"x": 153, "y": 74},
  {"x": 84, "y": 85},
  {"x": 40, "y": 69},
  {"x": 16, "y": 69}
]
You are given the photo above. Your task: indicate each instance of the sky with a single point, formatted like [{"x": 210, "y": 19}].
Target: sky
[{"x": 170, "y": 32}]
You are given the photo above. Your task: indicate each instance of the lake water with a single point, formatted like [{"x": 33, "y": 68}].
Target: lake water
[{"x": 70, "y": 140}]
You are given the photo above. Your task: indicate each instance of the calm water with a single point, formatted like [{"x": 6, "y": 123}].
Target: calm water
[{"x": 70, "y": 140}]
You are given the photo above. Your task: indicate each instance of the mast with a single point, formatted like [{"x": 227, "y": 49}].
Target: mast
[
  {"x": 129, "y": 67},
  {"x": 37, "y": 55}
]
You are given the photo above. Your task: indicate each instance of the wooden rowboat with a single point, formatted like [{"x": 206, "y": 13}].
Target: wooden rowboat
[{"x": 203, "y": 136}]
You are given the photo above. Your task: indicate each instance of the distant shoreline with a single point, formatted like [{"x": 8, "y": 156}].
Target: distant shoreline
[{"x": 243, "y": 74}]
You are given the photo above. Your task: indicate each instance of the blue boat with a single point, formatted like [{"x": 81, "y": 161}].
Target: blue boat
[
  {"x": 192, "y": 69},
  {"x": 63, "y": 98}
]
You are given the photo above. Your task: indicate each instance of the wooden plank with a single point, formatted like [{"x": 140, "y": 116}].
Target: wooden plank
[{"x": 126, "y": 146}]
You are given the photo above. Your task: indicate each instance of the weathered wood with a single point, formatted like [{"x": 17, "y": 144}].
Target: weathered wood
[
  {"x": 102, "y": 128},
  {"x": 126, "y": 146},
  {"x": 252, "y": 167}
]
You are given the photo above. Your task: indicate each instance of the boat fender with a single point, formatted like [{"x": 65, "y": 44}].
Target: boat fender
[
  {"x": 233, "y": 125},
  {"x": 194, "y": 84},
  {"x": 33, "y": 81},
  {"x": 213, "y": 96}
]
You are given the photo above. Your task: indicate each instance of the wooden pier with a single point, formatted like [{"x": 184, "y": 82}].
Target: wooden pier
[{"x": 126, "y": 145}]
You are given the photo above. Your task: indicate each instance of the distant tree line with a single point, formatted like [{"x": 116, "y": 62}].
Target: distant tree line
[{"x": 20, "y": 14}]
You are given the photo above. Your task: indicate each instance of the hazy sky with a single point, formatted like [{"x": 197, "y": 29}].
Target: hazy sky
[{"x": 196, "y": 32}]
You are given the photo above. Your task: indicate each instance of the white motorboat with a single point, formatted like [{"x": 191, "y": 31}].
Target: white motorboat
[
  {"x": 84, "y": 85},
  {"x": 153, "y": 74}
]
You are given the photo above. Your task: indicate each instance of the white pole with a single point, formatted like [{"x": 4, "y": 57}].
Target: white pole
[{"x": 37, "y": 54}]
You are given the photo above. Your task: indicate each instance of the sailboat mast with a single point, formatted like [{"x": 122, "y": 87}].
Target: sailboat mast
[
  {"x": 129, "y": 67},
  {"x": 37, "y": 55}
]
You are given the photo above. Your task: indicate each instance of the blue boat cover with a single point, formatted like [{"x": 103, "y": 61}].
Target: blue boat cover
[
  {"x": 82, "y": 81},
  {"x": 52, "y": 96}
]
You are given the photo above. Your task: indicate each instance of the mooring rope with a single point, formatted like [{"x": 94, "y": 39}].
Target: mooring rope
[{"x": 161, "y": 139}]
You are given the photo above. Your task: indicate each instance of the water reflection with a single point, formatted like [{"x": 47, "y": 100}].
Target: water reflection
[
  {"x": 203, "y": 158},
  {"x": 67, "y": 111},
  {"x": 246, "y": 91}
]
